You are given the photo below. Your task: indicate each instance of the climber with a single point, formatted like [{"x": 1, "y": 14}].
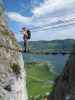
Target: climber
[{"x": 26, "y": 36}]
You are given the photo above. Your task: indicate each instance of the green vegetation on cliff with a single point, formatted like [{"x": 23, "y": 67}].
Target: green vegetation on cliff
[{"x": 39, "y": 78}]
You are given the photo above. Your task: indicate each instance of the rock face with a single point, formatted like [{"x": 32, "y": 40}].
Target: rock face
[
  {"x": 12, "y": 74},
  {"x": 64, "y": 87}
]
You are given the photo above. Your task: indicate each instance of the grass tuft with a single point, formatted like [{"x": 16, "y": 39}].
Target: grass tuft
[{"x": 16, "y": 68}]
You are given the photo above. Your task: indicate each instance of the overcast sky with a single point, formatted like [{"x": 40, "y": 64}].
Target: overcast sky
[{"x": 53, "y": 19}]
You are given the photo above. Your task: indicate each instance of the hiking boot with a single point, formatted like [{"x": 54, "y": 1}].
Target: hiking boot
[{"x": 25, "y": 50}]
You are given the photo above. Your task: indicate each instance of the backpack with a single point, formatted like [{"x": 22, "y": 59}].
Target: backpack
[{"x": 29, "y": 34}]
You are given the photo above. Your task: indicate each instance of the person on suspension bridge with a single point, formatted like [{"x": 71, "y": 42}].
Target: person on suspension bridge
[{"x": 26, "y": 36}]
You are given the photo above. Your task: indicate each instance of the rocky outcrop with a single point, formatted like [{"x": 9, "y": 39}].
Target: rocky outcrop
[
  {"x": 64, "y": 87},
  {"x": 12, "y": 73}
]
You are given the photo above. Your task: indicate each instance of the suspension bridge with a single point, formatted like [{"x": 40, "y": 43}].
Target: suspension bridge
[{"x": 50, "y": 51}]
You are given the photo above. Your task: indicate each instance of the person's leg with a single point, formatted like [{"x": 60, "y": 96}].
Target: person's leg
[
  {"x": 27, "y": 45},
  {"x": 24, "y": 46}
]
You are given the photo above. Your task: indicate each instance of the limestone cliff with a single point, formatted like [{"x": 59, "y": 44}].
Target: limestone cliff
[
  {"x": 64, "y": 87},
  {"x": 12, "y": 74}
]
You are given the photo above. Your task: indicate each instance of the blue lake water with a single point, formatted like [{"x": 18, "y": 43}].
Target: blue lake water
[{"x": 57, "y": 61}]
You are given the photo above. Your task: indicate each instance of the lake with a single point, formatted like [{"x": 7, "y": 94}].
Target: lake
[{"x": 56, "y": 61}]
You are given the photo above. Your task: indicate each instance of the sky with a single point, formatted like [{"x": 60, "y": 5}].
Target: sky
[{"x": 47, "y": 19}]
